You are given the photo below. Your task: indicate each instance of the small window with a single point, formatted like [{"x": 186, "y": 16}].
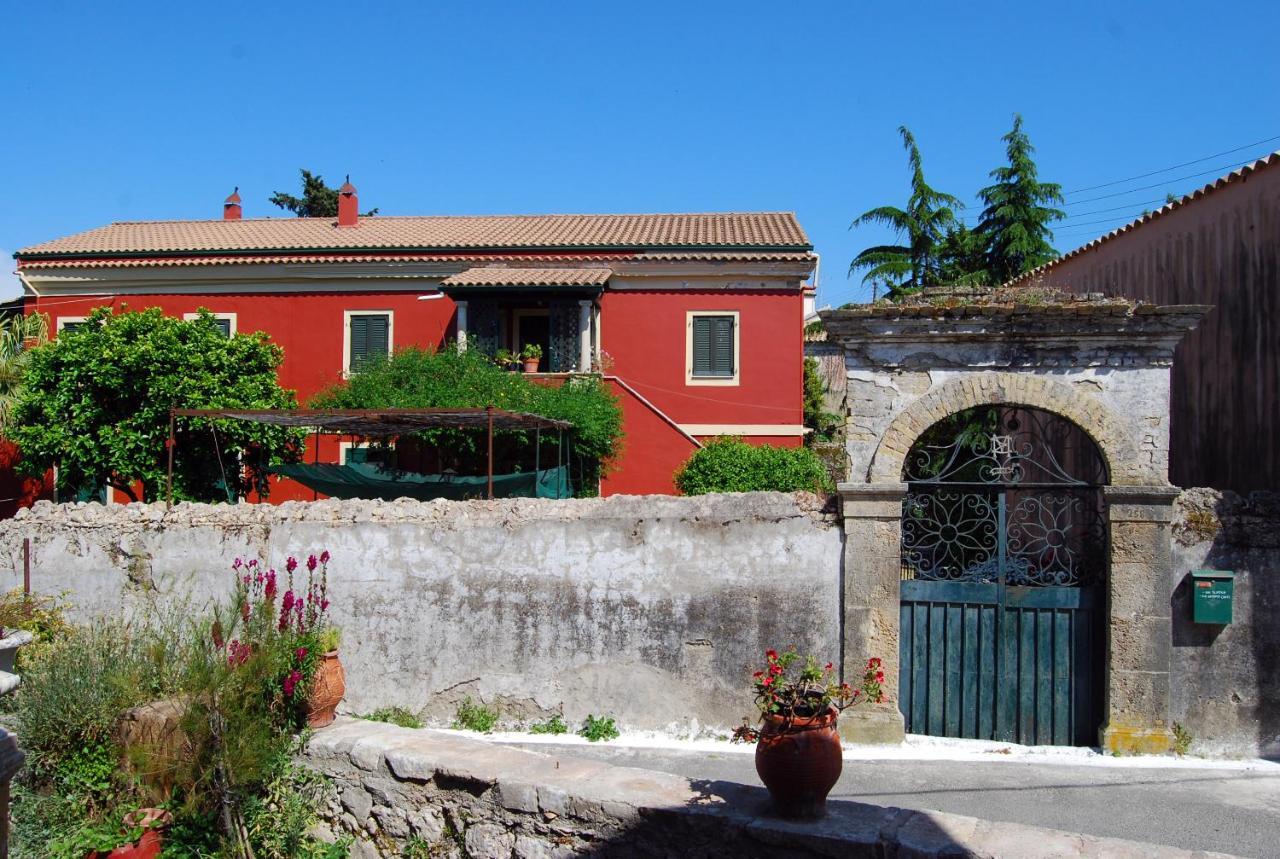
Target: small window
[
  {"x": 70, "y": 323},
  {"x": 713, "y": 348},
  {"x": 226, "y": 322},
  {"x": 368, "y": 337}
]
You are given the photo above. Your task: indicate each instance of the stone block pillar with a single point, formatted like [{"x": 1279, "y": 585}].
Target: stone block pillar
[
  {"x": 1139, "y": 628},
  {"x": 872, "y": 515}
]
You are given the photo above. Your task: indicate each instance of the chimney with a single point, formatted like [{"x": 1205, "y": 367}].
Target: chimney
[
  {"x": 348, "y": 205},
  {"x": 231, "y": 210}
]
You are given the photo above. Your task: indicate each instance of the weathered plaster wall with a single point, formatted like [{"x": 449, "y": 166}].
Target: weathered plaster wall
[
  {"x": 1226, "y": 679},
  {"x": 649, "y": 608}
]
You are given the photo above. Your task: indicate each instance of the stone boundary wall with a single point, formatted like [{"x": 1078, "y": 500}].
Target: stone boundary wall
[
  {"x": 463, "y": 797},
  {"x": 1225, "y": 681},
  {"x": 647, "y": 608}
]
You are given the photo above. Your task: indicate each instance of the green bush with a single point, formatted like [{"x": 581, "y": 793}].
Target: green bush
[
  {"x": 416, "y": 378},
  {"x": 731, "y": 465},
  {"x": 554, "y": 725},
  {"x": 395, "y": 716},
  {"x": 471, "y": 716},
  {"x": 596, "y": 729},
  {"x": 821, "y": 423}
]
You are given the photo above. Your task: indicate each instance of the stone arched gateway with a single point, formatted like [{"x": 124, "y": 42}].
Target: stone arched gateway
[{"x": 1103, "y": 366}]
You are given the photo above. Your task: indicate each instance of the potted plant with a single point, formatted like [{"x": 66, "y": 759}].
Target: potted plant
[
  {"x": 506, "y": 359},
  {"x": 798, "y": 747},
  {"x": 531, "y": 354}
]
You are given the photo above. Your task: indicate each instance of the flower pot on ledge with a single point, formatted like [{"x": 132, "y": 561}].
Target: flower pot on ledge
[
  {"x": 327, "y": 689},
  {"x": 531, "y": 364},
  {"x": 798, "y": 759}
]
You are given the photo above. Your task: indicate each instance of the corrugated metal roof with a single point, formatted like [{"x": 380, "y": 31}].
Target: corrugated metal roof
[
  {"x": 772, "y": 230},
  {"x": 1234, "y": 176},
  {"x": 497, "y": 276}
]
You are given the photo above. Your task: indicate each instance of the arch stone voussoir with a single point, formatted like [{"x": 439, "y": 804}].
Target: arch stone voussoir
[{"x": 1021, "y": 389}]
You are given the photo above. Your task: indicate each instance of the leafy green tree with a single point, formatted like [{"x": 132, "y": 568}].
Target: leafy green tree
[
  {"x": 417, "y": 378},
  {"x": 19, "y": 334},
  {"x": 96, "y": 406},
  {"x": 1019, "y": 210},
  {"x": 318, "y": 200},
  {"x": 821, "y": 423},
  {"x": 923, "y": 223},
  {"x": 962, "y": 256}
]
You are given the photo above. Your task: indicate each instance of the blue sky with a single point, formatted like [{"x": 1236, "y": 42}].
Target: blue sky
[{"x": 149, "y": 111}]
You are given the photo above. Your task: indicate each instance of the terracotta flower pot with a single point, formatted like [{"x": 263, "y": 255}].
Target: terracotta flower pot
[
  {"x": 531, "y": 365},
  {"x": 327, "y": 689},
  {"x": 799, "y": 762}
]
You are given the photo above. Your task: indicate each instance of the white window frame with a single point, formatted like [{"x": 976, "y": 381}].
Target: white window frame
[
  {"x": 230, "y": 317},
  {"x": 63, "y": 320},
  {"x": 714, "y": 381},
  {"x": 344, "y": 446},
  {"x": 346, "y": 335}
]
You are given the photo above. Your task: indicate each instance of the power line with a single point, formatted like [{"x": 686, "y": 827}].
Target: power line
[
  {"x": 1214, "y": 171},
  {"x": 1174, "y": 167}
]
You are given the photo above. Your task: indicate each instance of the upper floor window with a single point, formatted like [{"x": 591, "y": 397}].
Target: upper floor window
[
  {"x": 712, "y": 348},
  {"x": 368, "y": 335},
  {"x": 226, "y": 322},
  {"x": 70, "y": 323}
]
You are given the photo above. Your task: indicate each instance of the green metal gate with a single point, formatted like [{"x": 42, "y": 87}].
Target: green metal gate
[{"x": 1004, "y": 556}]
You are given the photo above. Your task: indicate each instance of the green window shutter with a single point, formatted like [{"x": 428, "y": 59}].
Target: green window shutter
[
  {"x": 224, "y": 325},
  {"x": 702, "y": 345},
  {"x": 370, "y": 336},
  {"x": 713, "y": 346}
]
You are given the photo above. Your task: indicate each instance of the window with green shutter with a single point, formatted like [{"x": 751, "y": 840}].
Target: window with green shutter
[
  {"x": 713, "y": 350},
  {"x": 224, "y": 325},
  {"x": 370, "y": 338}
]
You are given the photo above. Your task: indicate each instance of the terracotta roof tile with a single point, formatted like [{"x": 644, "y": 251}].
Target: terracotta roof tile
[
  {"x": 724, "y": 230},
  {"x": 1233, "y": 176},
  {"x": 498, "y": 276}
]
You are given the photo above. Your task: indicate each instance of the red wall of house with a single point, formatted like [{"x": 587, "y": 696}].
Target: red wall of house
[{"x": 643, "y": 334}]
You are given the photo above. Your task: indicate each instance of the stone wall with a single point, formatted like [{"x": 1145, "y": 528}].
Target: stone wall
[
  {"x": 1226, "y": 679},
  {"x": 458, "y": 797},
  {"x": 650, "y": 609}
]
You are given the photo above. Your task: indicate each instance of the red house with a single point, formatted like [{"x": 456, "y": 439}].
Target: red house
[{"x": 694, "y": 319}]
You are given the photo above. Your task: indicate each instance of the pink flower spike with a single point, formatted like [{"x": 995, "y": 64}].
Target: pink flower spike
[
  {"x": 324, "y": 556},
  {"x": 237, "y": 564},
  {"x": 291, "y": 564},
  {"x": 311, "y": 563}
]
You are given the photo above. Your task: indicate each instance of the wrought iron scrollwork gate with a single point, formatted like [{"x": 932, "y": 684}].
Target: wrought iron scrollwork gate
[{"x": 1004, "y": 554}]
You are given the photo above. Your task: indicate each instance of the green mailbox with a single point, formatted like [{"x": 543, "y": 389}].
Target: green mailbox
[{"x": 1211, "y": 595}]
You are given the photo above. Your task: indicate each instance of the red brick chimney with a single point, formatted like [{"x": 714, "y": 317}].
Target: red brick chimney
[
  {"x": 348, "y": 205},
  {"x": 231, "y": 210}
]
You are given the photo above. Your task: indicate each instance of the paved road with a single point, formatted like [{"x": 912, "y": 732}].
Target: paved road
[{"x": 1231, "y": 811}]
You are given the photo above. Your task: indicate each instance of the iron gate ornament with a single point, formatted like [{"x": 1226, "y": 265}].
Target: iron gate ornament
[{"x": 1004, "y": 495}]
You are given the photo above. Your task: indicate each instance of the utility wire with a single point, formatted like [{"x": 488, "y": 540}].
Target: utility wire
[
  {"x": 1174, "y": 167},
  {"x": 1216, "y": 170}
]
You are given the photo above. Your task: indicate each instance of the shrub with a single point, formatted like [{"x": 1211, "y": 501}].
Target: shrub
[
  {"x": 471, "y": 716},
  {"x": 395, "y": 716},
  {"x": 731, "y": 465},
  {"x": 420, "y": 378},
  {"x": 1182, "y": 740},
  {"x": 554, "y": 725},
  {"x": 598, "y": 729},
  {"x": 821, "y": 423}
]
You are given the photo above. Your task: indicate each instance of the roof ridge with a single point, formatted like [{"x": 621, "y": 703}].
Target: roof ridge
[
  {"x": 270, "y": 219},
  {"x": 1240, "y": 172}
]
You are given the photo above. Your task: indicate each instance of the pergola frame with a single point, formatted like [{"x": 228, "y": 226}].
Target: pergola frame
[{"x": 371, "y": 423}]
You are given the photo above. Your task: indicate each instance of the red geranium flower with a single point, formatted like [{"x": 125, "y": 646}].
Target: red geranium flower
[{"x": 771, "y": 655}]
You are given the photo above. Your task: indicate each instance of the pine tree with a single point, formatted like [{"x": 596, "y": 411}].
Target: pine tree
[
  {"x": 1019, "y": 209},
  {"x": 318, "y": 200},
  {"x": 962, "y": 258},
  {"x": 928, "y": 215}
]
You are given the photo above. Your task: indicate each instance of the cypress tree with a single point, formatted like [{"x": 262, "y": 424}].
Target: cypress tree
[{"x": 1019, "y": 209}]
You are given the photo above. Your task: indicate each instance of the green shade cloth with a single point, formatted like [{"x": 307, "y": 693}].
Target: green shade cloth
[{"x": 365, "y": 480}]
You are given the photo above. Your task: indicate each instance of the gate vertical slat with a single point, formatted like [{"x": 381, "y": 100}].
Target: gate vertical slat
[
  {"x": 1027, "y": 663},
  {"x": 1062, "y": 677},
  {"x": 920, "y": 672},
  {"x": 970, "y": 668},
  {"x": 955, "y": 653},
  {"x": 937, "y": 667},
  {"x": 988, "y": 681},
  {"x": 906, "y": 654},
  {"x": 1044, "y": 676}
]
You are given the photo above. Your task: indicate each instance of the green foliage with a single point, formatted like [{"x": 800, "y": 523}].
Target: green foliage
[
  {"x": 731, "y": 465},
  {"x": 599, "y": 729},
  {"x": 88, "y": 772},
  {"x": 395, "y": 716},
  {"x": 822, "y": 424},
  {"x": 1019, "y": 209},
  {"x": 277, "y": 820},
  {"x": 96, "y": 405},
  {"x": 43, "y": 616},
  {"x": 962, "y": 256},
  {"x": 18, "y": 334},
  {"x": 531, "y": 351},
  {"x": 71, "y": 696},
  {"x": 924, "y": 221},
  {"x": 420, "y": 378},
  {"x": 1182, "y": 739},
  {"x": 472, "y": 716},
  {"x": 318, "y": 200},
  {"x": 102, "y": 835},
  {"x": 554, "y": 725}
]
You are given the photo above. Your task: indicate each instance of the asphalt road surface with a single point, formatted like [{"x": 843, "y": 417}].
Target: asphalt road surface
[{"x": 1227, "y": 810}]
